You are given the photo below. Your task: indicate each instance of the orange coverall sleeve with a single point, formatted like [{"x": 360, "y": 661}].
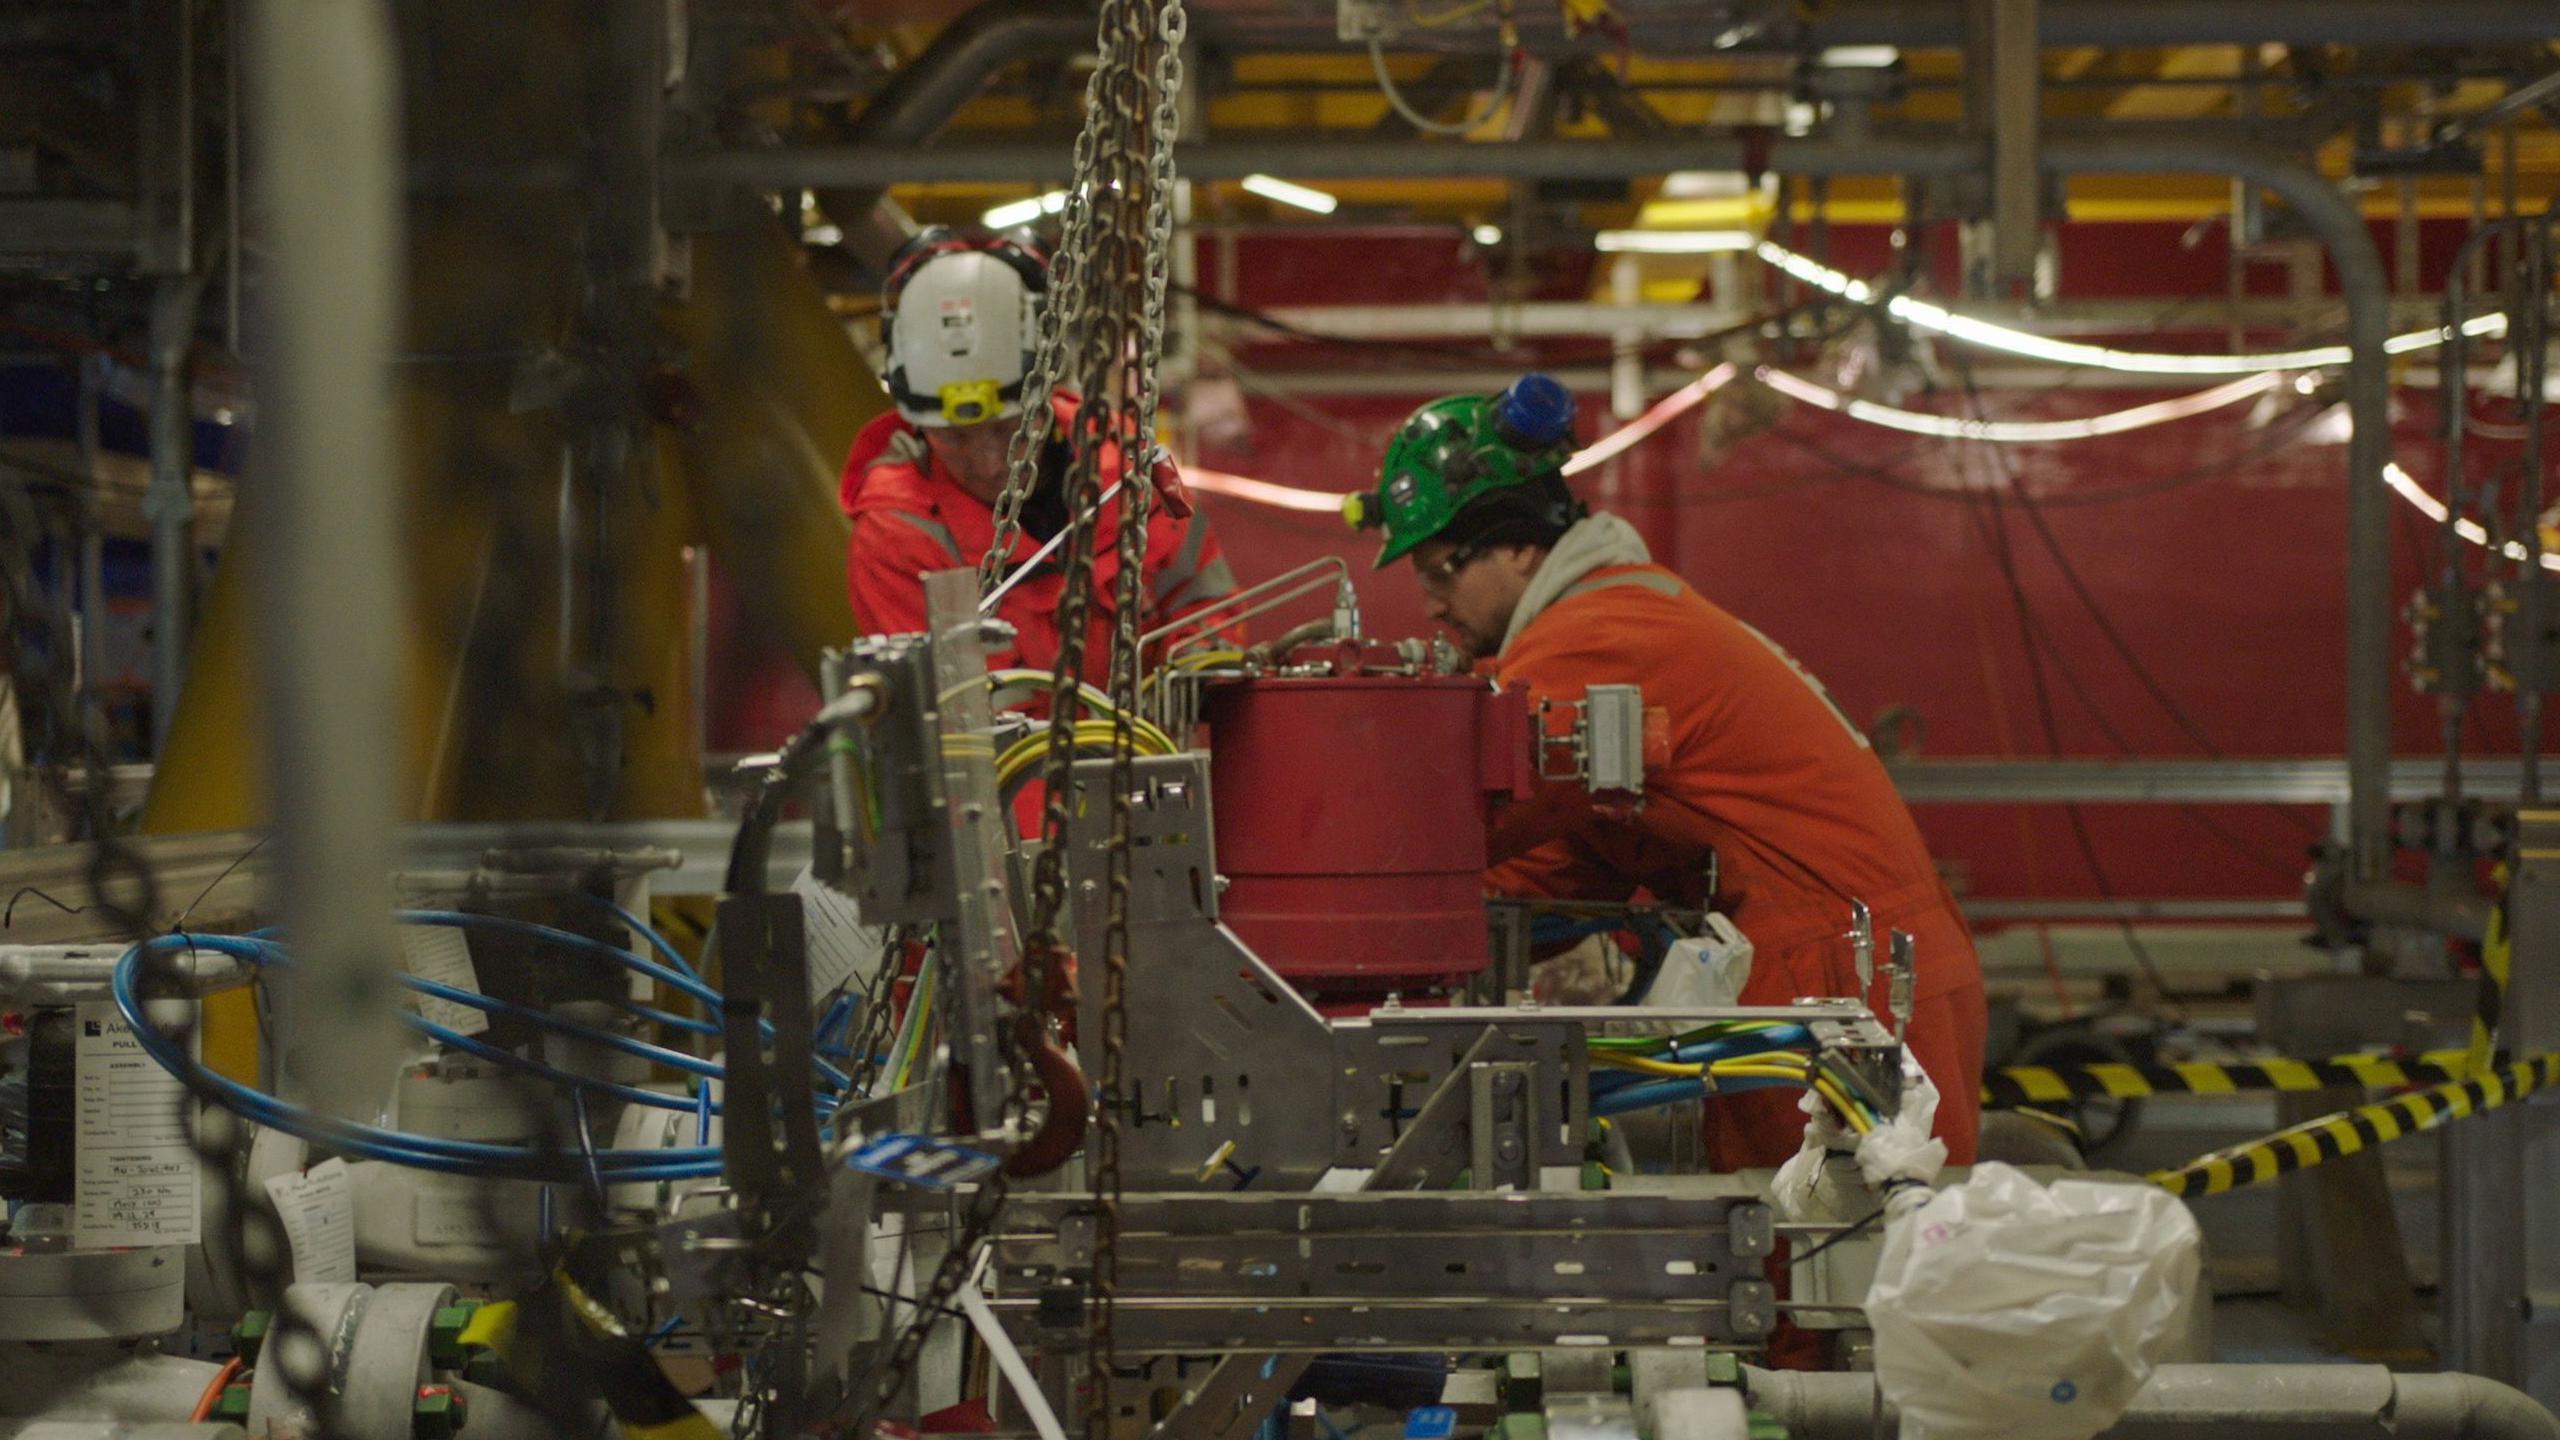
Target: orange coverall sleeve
[
  {"x": 1187, "y": 568},
  {"x": 890, "y": 553}
]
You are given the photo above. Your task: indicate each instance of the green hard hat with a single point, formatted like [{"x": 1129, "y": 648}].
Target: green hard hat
[{"x": 1457, "y": 450}]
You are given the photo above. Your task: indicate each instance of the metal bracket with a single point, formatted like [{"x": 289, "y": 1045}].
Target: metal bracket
[
  {"x": 764, "y": 967},
  {"x": 1502, "y": 1125}
]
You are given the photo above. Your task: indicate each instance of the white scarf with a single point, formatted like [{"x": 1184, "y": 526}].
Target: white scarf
[{"x": 1595, "y": 542}]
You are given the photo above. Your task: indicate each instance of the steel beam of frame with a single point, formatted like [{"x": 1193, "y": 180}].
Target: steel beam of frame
[
  {"x": 164, "y": 211},
  {"x": 2017, "y": 209}
]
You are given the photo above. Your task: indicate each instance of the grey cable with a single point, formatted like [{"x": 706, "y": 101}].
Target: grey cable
[{"x": 1424, "y": 123}]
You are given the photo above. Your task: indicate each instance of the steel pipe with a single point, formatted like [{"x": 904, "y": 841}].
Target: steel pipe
[
  {"x": 329, "y": 593},
  {"x": 931, "y": 88},
  {"x": 1322, "y": 155},
  {"x": 170, "y": 502},
  {"x": 2340, "y": 226},
  {"x": 1682, "y": 27},
  {"x": 2227, "y": 1402},
  {"x": 2127, "y": 24},
  {"x": 1316, "y": 157}
]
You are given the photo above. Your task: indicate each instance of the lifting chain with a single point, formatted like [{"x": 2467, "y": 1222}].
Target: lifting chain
[
  {"x": 123, "y": 891},
  {"x": 1137, "y": 460},
  {"x": 1100, "y": 336}
]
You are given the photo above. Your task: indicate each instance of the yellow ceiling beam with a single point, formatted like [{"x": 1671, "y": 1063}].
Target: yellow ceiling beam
[{"x": 2182, "y": 102}]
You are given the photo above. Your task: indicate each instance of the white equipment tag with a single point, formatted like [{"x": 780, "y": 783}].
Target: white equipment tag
[
  {"x": 441, "y": 954},
  {"x": 135, "y": 1180},
  {"x": 317, "y": 1208}
]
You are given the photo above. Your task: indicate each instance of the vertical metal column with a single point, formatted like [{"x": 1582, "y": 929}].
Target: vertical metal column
[
  {"x": 608, "y": 424},
  {"x": 2529, "y": 327},
  {"x": 165, "y": 245},
  {"x": 164, "y": 211},
  {"x": 93, "y": 549},
  {"x": 330, "y": 596},
  {"x": 170, "y": 502},
  {"x": 2003, "y": 93},
  {"x": 2017, "y": 182},
  {"x": 2502, "y": 1170}
]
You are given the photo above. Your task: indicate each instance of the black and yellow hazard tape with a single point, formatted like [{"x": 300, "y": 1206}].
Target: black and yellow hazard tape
[
  {"x": 2022, "y": 1085},
  {"x": 2332, "y": 1137},
  {"x": 2497, "y": 956}
]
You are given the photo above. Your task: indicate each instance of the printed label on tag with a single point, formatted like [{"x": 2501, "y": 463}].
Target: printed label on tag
[
  {"x": 135, "y": 1181},
  {"x": 921, "y": 1160},
  {"x": 317, "y": 1208},
  {"x": 441, "y": 953},
  {"x": 841, "y": 947}
]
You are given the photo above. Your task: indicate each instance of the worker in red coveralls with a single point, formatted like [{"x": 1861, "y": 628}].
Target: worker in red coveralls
[
  {"x": 960, "y": 315},
  {"x": 1763, "y": 772}
]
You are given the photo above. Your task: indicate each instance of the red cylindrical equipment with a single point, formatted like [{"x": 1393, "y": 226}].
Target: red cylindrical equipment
[{"x": 1351, "y": 813}]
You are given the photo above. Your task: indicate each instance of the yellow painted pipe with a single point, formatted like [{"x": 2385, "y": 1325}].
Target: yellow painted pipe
[{"x": 782, "y": 391}]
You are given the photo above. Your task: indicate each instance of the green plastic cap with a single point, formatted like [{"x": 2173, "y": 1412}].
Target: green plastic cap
[
  {"x": 249, "y": 1335},
  {"x": 444, "y": 1333}
]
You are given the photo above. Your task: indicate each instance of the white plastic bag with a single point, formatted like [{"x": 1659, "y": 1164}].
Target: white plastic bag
[
  {"x": 1707, "y": 970},
  {"x": 1812, "y": 1189},
  {"x": 2004, "y": 1308}
]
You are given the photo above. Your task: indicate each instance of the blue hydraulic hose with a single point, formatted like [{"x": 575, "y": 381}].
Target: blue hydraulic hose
[
  {"x": 1750, "y": 1042},
  {"x": 639, "y": 1049},
  {"x": 363, "y": 1141},
  {"x": 1672, "y": 1092},
  {"x": 668, "y": 1018},
  {"x": 631, "y": 1094},
  {"x": 837, "y": 1014},
  {"x": 500, "y": 924},
  {"x": 642, "y": 928},
  {"x": 463, "y": 920}
]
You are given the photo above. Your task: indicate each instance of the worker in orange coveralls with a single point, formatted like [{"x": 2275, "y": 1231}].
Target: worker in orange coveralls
[
  {"x": 960, "y": 315},
  {"x": 1762, "y": 773}
]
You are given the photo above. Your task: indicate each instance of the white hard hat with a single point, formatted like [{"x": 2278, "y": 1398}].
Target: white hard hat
[{"x": 961, "y": 314}]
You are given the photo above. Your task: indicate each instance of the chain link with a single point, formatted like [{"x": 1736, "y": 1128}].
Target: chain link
[
  {"x": 1138, "y": 457},
  {"x": 1100, "y": 337},
  {"x": 1061, "y": 321},
  {"x": 124, "y": 892}
]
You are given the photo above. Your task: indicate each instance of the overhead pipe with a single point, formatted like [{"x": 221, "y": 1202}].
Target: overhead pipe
[
  {"x": 1316, "y": 158},
  {"x": 928, "y": 90},
  {"x": 2226, "y": 1402},
  {"x": 324, "y": 117},
  {"x": 922, "y": 95},
  {"x": 1329, "y": 156},
  {"x": 2366, "y": 290},
  {"x": 1673, "y": 28},
  {"x": 2130, "y": 24}
]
